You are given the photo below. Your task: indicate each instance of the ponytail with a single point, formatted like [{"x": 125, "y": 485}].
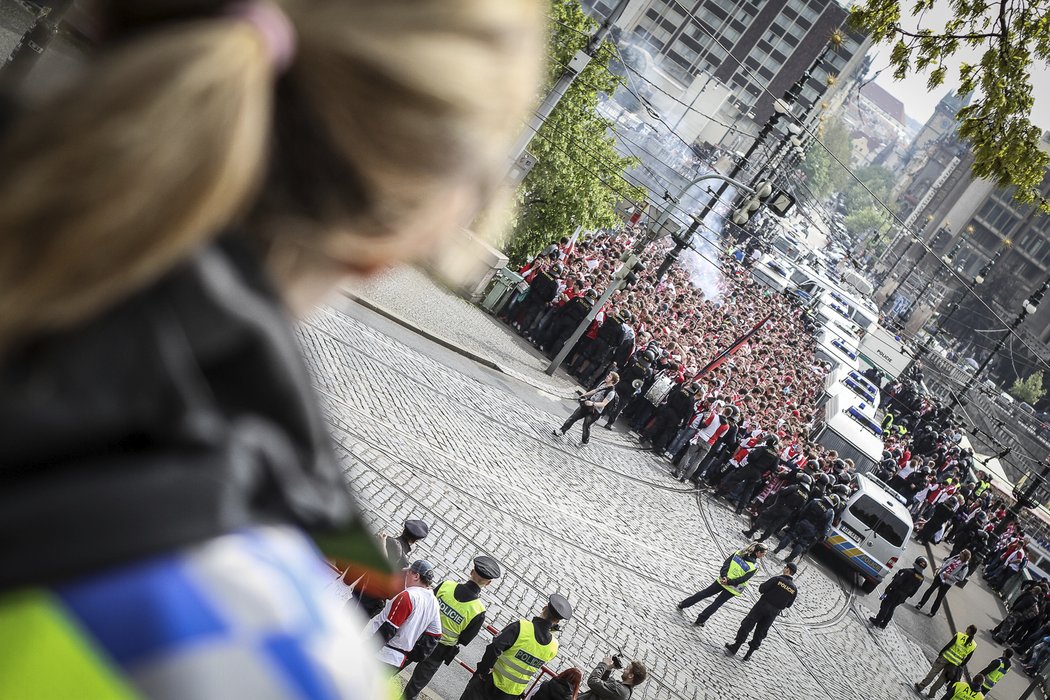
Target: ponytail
[{"x": 156, "y": 148}]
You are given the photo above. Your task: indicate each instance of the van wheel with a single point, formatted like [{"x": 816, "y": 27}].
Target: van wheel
[{"x": 868, "y": 585}]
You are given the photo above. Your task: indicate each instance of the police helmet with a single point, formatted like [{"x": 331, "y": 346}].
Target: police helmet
[
  {"x": 804, "y": 479},
  {"x": 813, "y": 465},
  {"x": 840, "y": 490},
  {"x": 822, "y": 479},
  {"x": 921, "y": 562},
  {"x": 693, "y": 387},
  {"x": 844, "y": 478},
  {"x": 832, "y": 500},
  {"x": 556, "y": 270},
  {"x": 649, "y": 356},
  {"x": 838, "y": 464},
  {"x": 772, "y": 440}
]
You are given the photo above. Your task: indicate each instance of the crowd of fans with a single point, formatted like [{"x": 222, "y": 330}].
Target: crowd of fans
[{"x": 725, "y": 386}]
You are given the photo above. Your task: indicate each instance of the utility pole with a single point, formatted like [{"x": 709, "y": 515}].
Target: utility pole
[
  {"x": 576, "y": 65},
  {"x": 978, "y": 280},
  {"x": 682, "y": 242}
]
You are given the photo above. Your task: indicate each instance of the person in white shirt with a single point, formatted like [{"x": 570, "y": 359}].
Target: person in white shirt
[{"x": 409, "y": 625}]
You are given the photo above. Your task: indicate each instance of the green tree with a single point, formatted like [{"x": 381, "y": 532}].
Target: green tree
[
  {"x": 997, "y": 123},
  {"x": 823, "y": 174},
  {"x": 867, "y": 219},
  {"x": 1029, "y": 390},
  {"x": 577, "y": 179},
  {"x": 873, "y": 179}
]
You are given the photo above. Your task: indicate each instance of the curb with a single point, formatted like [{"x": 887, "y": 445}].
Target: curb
[{"x": 454, "y": 347}]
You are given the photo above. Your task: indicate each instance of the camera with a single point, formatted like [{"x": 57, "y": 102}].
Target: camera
[{"x": 617, "y": 659}]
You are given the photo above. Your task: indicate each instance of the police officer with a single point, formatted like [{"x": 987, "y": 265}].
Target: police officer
[
  {"x": 639, "y": 369},
  {"x": 733, "y": 577},
  {"x": 462, "y": 617},
  {"x": 514, "y": 657},
  {"x": 996, "y": 669},
  {"x": 813, "y": 525},
  {"x": 904, "y": 585},
  {"x": 397, "y": 550},
  {"x": 973, "y": 690},
  {"x": 777, "y": 595},
  {"x": 786, "y": 505},
  {"x": 952, "y": 657}
]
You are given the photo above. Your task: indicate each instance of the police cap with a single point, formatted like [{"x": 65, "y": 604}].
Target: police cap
[
  {"x": 559, "y": 606},
  {"x": 487, "y": 567},
  {"x": 417, "y": 529},
  {"x": 790, "y": 566}
]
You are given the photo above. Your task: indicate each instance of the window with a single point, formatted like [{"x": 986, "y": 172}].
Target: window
[{"x": 880, "y": 520}]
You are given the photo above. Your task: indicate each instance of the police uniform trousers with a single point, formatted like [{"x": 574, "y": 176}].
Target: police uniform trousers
[
  {"x": 723, "y": 595},
  {"x": 886, "y": 610},
  {"x": 424, "y": 672},
  {"x": 760, "y": 619},
  {"x": 482, "y": 688}
]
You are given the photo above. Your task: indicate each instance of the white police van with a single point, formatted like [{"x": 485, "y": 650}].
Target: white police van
[{"x": 872, "y": 534}]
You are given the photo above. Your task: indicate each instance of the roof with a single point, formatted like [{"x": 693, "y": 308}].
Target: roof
[{"x": 885, "y": 101}]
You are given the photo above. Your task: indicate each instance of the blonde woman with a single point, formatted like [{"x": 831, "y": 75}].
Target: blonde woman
[{"x": 213, "y": 169}]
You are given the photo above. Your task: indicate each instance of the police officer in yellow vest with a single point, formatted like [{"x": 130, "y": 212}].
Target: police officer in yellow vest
[
  {"x": 462, "y": 617},
  {"x": 953, "y": 656},
  {"x": 974, "y": 690},
  {"x": 515, "y": 656},
  {"x": 736, "y": 571},
  {"x": 996, "y": 669}
]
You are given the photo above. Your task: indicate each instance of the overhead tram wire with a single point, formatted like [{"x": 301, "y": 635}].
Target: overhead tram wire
[{"x": 923, "y": 244}]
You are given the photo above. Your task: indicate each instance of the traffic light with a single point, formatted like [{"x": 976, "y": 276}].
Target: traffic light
[{"x": 778, "y": 201}]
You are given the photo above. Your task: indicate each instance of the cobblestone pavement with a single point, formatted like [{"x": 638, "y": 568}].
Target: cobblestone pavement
[
  {"x": 603, "y": 524},
  {"x": 415, "y": 298}
]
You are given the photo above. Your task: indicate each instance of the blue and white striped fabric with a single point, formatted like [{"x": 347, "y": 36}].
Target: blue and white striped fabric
[{"x": 247, "y": 615}]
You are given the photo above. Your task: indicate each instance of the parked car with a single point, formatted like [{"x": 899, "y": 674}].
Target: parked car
[
  {"x": 1025, "y": 408},
  {"x": 1005, "y": 400}
]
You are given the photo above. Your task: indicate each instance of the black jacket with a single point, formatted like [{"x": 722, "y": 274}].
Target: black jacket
[
  {"x": 778, "y": 593},
  {"x": 906, "y": 582},
  {"x": 180, "y": 414}
]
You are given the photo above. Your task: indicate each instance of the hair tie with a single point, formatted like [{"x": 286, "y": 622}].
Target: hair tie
[{"x": 276, "y": 29}]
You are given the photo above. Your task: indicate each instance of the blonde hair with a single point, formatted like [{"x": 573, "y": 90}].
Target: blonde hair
[{"x": 179, "y": 133}]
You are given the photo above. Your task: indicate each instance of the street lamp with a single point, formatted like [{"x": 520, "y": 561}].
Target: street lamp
[
  {"x": 1028, "y": 308},
  {"x": 978, "y": 280}
]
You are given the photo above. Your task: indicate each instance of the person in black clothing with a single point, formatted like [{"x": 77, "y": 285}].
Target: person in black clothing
[
  {"x": 904, "y": 585},
  {"x": 777, "y": 595},
  {"x": 725, "y": 587},
  {"x": 485, "y": 571},
  {"x": 600, "y": 350},
  {"x": 542, "y": 291},
  {"x": 544, "y": 625},
  {"x": 632, "y": 379},
  {"x": 786, "y": 506},
  {"x": 565, "y": 321},
  {"x": 675, "y": 410},
  {"x": 590, "y": 407},
  {"x": 746, "y": 478}
]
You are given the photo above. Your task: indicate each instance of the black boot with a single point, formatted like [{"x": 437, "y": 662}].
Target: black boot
[
  {"x": 732, "y": 649},
  {"x": 750, "y": 651}
]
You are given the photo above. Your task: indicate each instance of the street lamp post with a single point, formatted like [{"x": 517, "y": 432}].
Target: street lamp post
[
  {"x": 978, "y": 280},
  {"x": 1030, "y": 306}
]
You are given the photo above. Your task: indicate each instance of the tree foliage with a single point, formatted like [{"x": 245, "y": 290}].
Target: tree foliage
[
  {"x": 577, "y": 178},
  {"x": 1029, "y": 390},
  {"x": 997, "y": 123},
  {"x": 823, "y": 174}
]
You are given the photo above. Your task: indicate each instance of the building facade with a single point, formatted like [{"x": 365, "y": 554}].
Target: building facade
[{"x": 731, "y": 60}]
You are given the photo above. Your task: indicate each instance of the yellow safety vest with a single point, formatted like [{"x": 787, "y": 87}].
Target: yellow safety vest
[
  {"x": 982, "y": 486},
  {"x": 455, "y": 614},
  {"x": 959, "y": 649},
  {"x": 994, "y": 676},
  {"x": 962, "y": 691},
  {"x": 517, "y": 666},
  {"x": 738, "y": 567}
]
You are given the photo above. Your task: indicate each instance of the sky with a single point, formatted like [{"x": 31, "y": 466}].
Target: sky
[{"x": 918, "y": 101}]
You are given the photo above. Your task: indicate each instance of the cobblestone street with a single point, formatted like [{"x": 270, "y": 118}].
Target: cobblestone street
[{"x": 603, "y": 525}]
